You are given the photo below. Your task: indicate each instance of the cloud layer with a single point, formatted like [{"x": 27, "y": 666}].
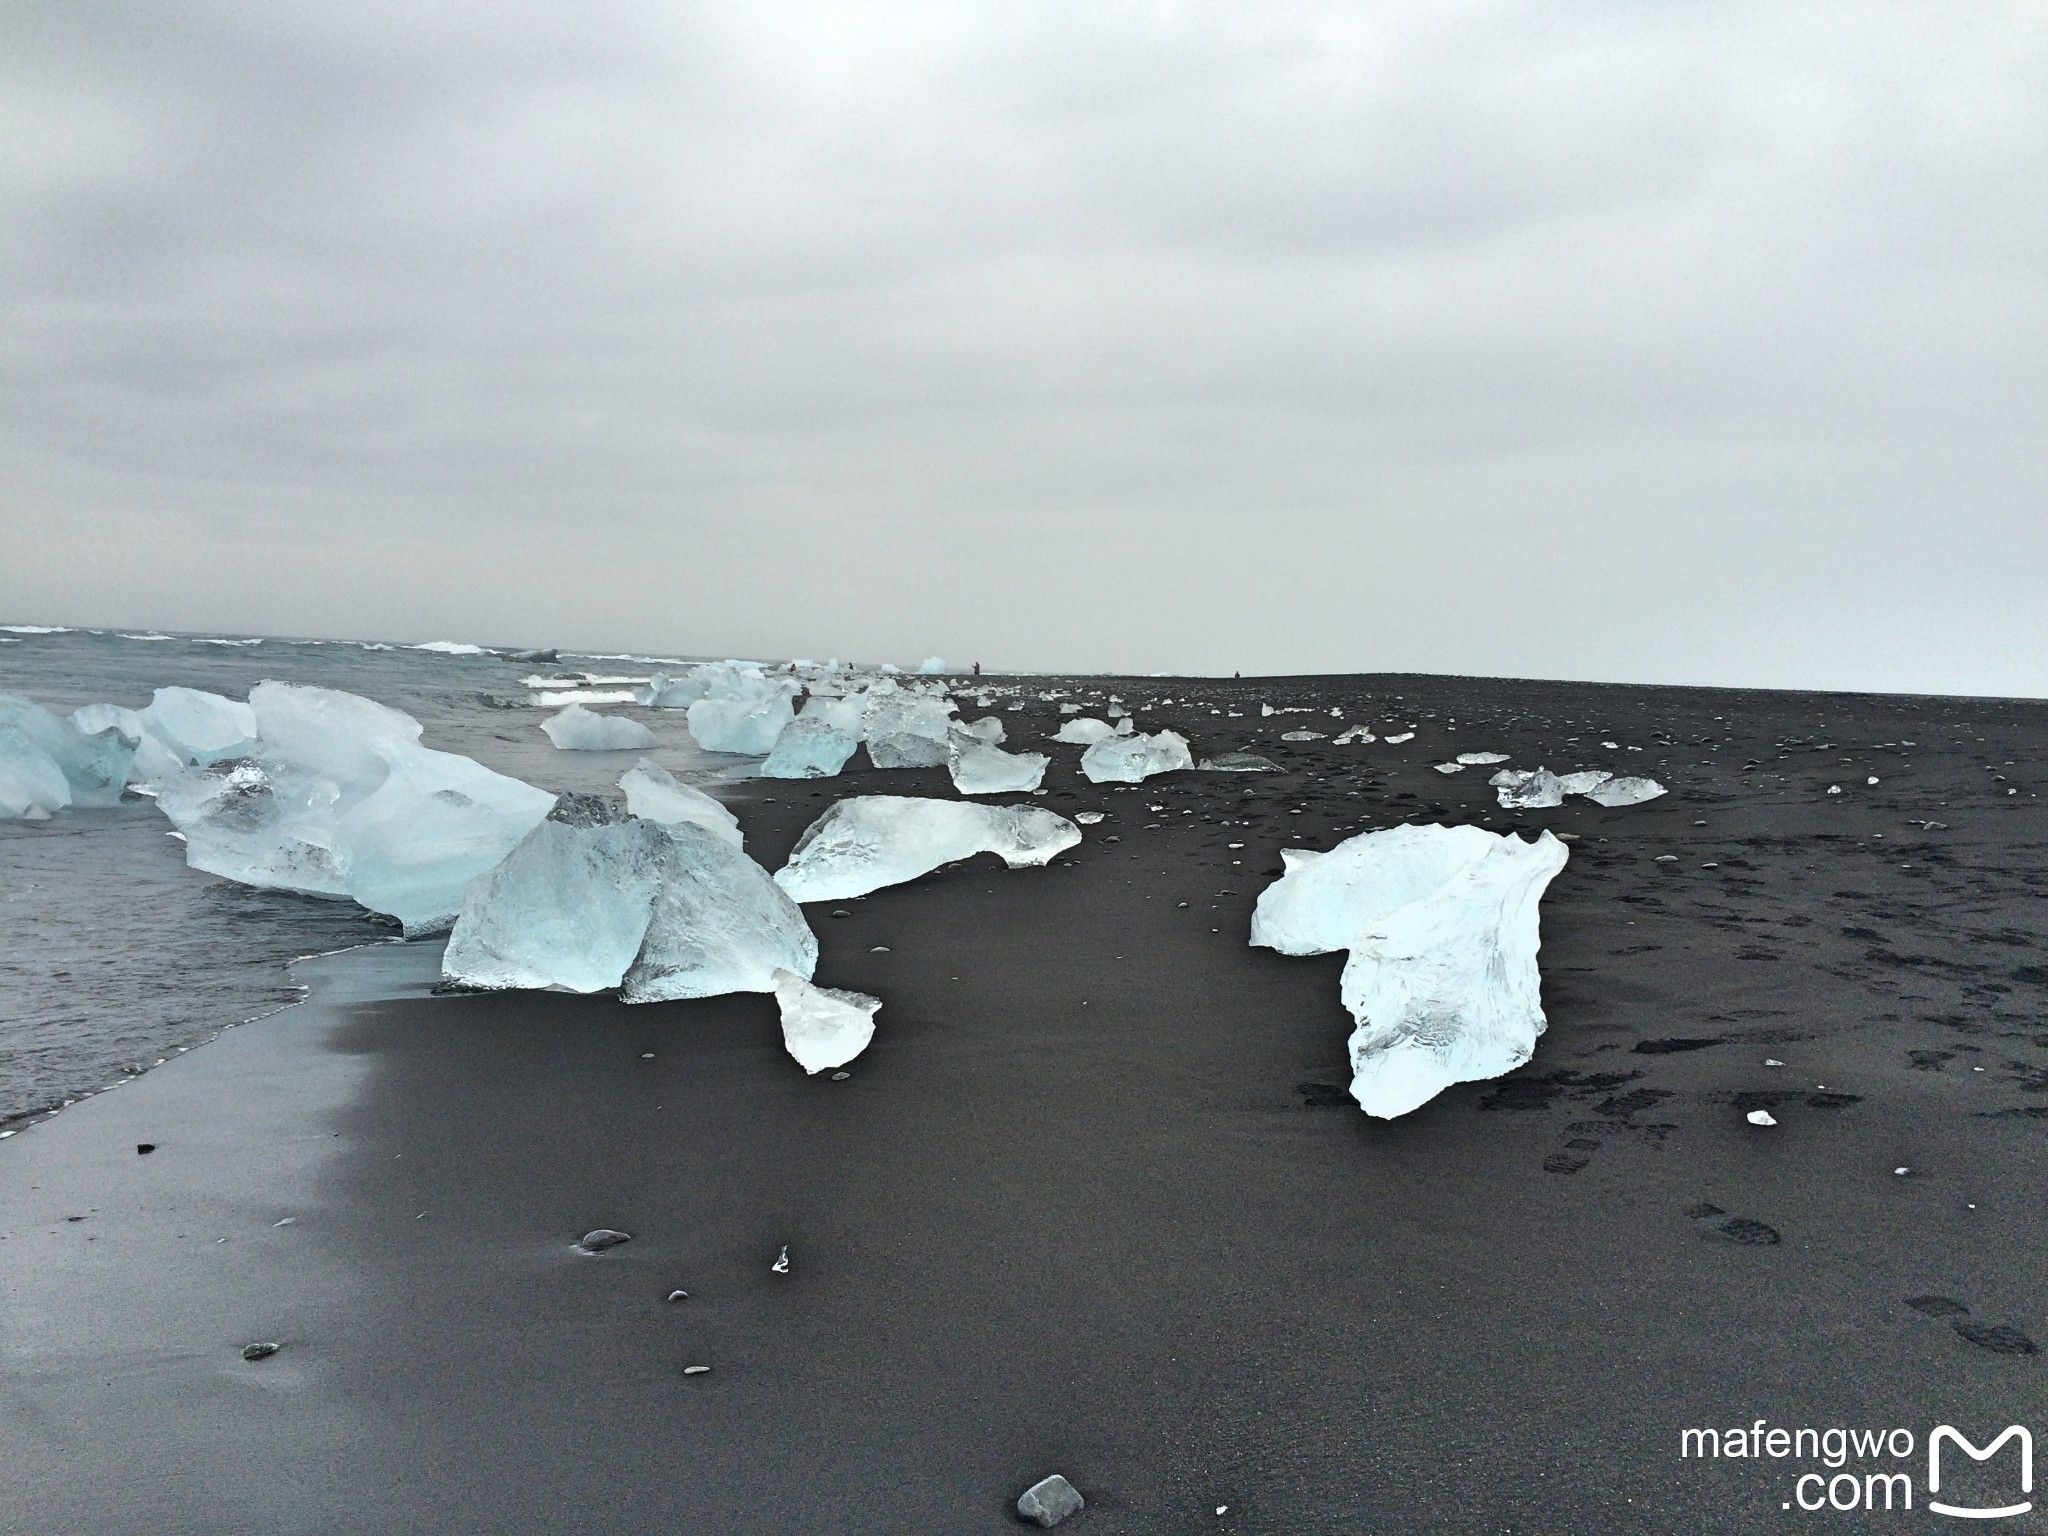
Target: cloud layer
[{"x": 1674, "y": 343}]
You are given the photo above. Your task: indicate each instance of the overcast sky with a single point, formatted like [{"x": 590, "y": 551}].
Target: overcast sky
[{"x": 1674, "y": 342}]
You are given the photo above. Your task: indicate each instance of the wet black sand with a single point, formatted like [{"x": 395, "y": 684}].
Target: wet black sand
[{"x": 1086, "y": 1204}]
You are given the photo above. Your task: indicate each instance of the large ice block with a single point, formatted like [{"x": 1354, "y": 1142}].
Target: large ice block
[
  {"x": 871, "y": 841},
  {"x": 810, "y": 747},
  {"x": 655, "y": 794},
  {"x": 1445, "y": 990},
  {"x": 593, "y": 899},
  {"x": 1132, "y": 759},
  {"x": 743, "y": 712},
  {"x": 978, "y": 767},
  {"x": 577, "y": 729},
  {"x": 337, "y": 798},
  {"x": 1441, "y": 925},
  {"x": 904, "y": 727},
  {"x": 47, "y": 762},
  {"x": 1624, "y": 791}
]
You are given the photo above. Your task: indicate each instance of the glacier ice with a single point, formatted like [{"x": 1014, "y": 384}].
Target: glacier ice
[
  {"x": 904, "y": 726},
  {"x": 932, "y": 665},
  {"x": 1355, "y": 733},
  {"x": 655, "y": 794},
  {"x": 743, "y": 711},
  {"x": 1480, "y": 759},
  {"x": 200, "y": 727},
  {"x": 1131, "y": 759},
  {"x": 664, "y": 692},
  {"x": 1238, "y": 762},
  {"x": 979, "y": 767},
  {"x": 593, "y": 899},
  {"x": 988, "y": 727},
  {"x": 870, "y": 841},
  {"x": 810, "y": 747},
  {"x": 1449, "y": 767},
  {"x": 577, "y": 729},
  {"x": 1625, "y": 791},
  {"x": 823, "y": 1027},
  {"x": 1539, "y": 791},
  {"x": 1441, "y": 925},
  {"x": 1084, "y": 732},
  {"x": 1583, "y": 783},
  {"x": 48, "y": 763},
  {"x": 842, "y": 714},
  {"x": 338, "y": 798},
  {"x": 1446, "y": 990}
]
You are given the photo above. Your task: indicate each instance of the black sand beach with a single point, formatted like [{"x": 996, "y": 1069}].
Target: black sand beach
[{"x": 1094, "y": 1201}]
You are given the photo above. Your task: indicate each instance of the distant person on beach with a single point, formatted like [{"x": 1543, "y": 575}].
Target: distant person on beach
[{"x": 977, "y": 669}]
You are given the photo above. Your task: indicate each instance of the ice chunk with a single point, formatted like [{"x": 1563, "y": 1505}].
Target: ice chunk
[
  {"x": 591, "y": 900},
  {"x": 823, "y": 1027},
  {"x": 200, "y": 727},
  {"x": 1625, "y": 791},
  {"x": 988, "y": 727},
  {"x": 47, "y": 762},
  {"x": 1510, "y": 777},
  {"x": 1478, "y": 759},
  {"x": 655, "y": 794},
  {"x": 339, "y": 799},
  {"x": 1084, "y": 732},
  {"x": 577, "y": 729},
  {"x": 1449, "y": 767},
  {"x": 720, "y": 924},
  {"x": 1445, "y": 989},
  {"x": 1321, "y": 899},
  {"x": 810, "y": 747},
  {"x": 871, "y": 841},
  {"x": 744, "y": 711},
  {"x": 1395, "y": 741},
  {"x": 1130, "y": 759},
  {"x": 1356, "y": 733},
  {"x": 1582, "y": 783},
  {"x": 842, "y": 714},
  {"x": 664, "y": 692},
  {"x": 979, "y": 767},
  {"x": 905, "y": 728},
  {"x": 932, "y": 665},
  {"x": 1537, "y": 792},
  {"x": 567, "y": 909},
  {"x": 1239, "y": 762},
  {"x": 1301, "y": 735}
]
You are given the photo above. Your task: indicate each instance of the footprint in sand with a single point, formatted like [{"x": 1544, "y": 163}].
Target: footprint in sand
[
  {"x": 1998, "y": 1338},
  {"x": 1736, "y": 1229}
]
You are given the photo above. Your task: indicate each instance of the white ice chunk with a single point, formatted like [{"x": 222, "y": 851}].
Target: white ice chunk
[
  {"x": 200, "y": 727},
  {"x": 1445, "y": 989},
  {"x": 1084, "y": 731},
  {"x": 744, "y": 712},
  {"x": 988, "y": 727},
  {"x": 1625, "y": 791},
  {"x": 577, "y": 729},
  {"x": 842, "y": 714},
  {"x": 823, "y": 1027},
  {"x": 979, "y": 767},
  {"x": 1395, "y": 741},
  {"x": 1355, "y": 733},
  {"x": 1131, "y": 759},
  {"x": 1449, "y": 767},
  {"x": 1582, "y": 783},
  {"x": 905, "y": 728},
  {"x": 589, "y": 901},
  {"x": 1301, "y": 735},
  {"x": 1476, "y": 759},
  {"x": 932, "y": 665},
  {"x": 1511, "y": 777},
  {"x": 1318, "y": 903},
  {"x": 655, "y": 794},
  {"x": 810, "y": 747},
  {"x": 337, "y": 798},
  {"x": 871, "y": 841},
  {"x": 1539, "y": 791},
  {"x": 47, "y": 762}
]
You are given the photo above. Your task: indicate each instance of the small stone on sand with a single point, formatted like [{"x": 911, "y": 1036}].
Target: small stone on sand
[
  {"x": 696, "y": 1370},
  {"x": 1050, "y": 1501},
  {"x": 603, "y": 1238},
  {"x": 144, "y": 1148},
  {"x": 840, "y": 1077}
]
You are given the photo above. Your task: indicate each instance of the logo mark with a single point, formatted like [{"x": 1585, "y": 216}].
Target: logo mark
[{"x": 1950, "y": 1432}]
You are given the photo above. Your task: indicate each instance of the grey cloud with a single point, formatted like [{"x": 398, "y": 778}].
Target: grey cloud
[{"x": 1308, "y": 337}]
